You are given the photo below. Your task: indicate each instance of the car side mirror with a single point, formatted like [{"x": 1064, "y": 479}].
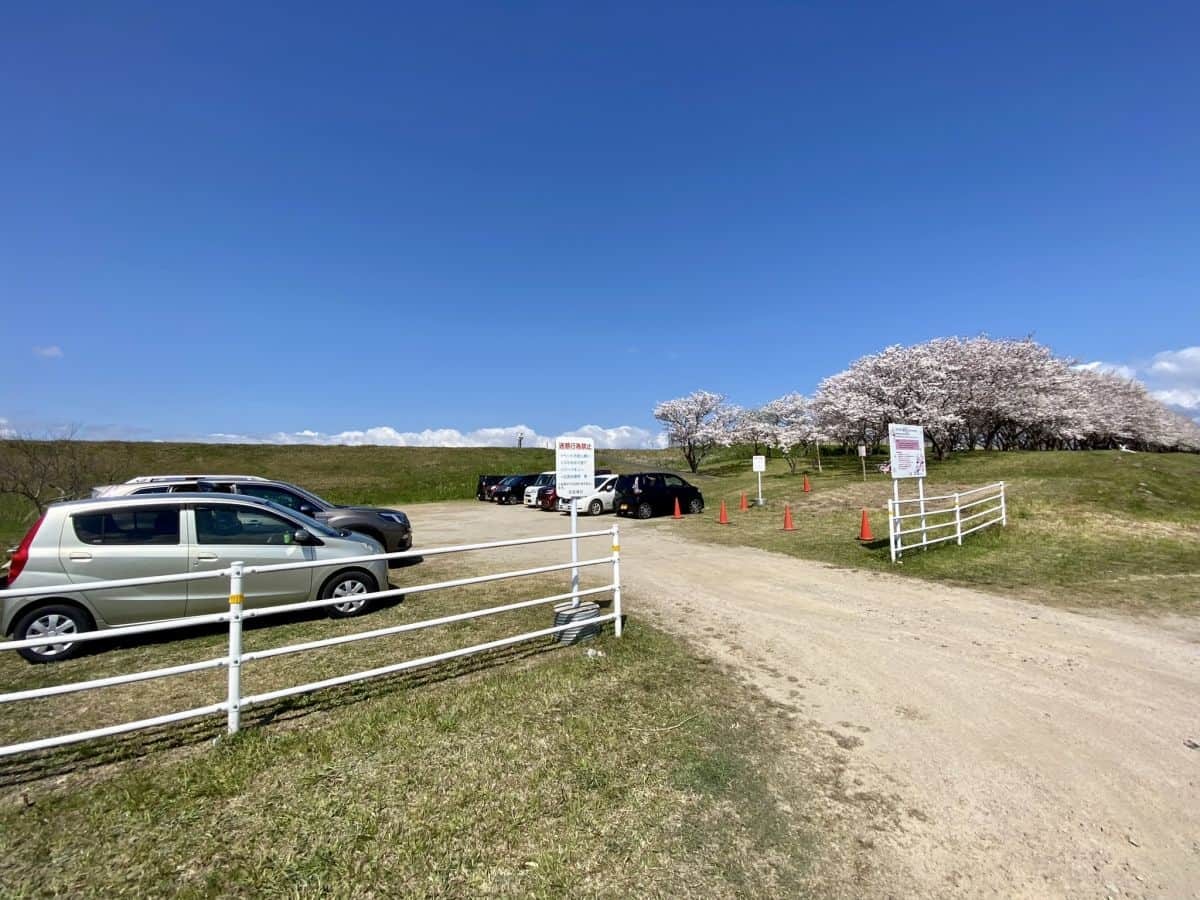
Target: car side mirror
[
  {"x": 306, "y": 509},
  {"x": 302, "y": 536}
]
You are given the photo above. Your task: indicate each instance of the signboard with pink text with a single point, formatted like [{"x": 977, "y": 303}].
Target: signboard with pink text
[{"x": 907, "y": 444}]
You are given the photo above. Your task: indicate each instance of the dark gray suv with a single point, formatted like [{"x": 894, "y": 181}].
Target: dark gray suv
[{"x": 388, "y": 526}]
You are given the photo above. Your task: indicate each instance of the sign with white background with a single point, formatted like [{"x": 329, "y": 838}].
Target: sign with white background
[
  {"x": 907, "y": 445},
  {"x": 574, "y": 466}
]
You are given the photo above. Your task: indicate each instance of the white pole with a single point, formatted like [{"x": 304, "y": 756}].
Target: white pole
[
  {"x": 760, "y": 499},
  {"x": 863, "y": 460},
  {"x": 1003, "y": 507},
  {"x": 575, "y": 550},
  {"x": 957, "y": 520},
  {"x": 899, "y": 525},
  {"x": 921, "y": 497},
  {"x": 891, "y": 531},
  {"x": 616, "y": 552},
  {"x": 235, "y": 647},
  {"x": 818, "y": 456}
]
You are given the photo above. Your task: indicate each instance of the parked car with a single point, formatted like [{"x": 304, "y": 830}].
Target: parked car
[
  {"x": 544, "y": 479},
  {"x": 512, "y": 488},
  {"x": 485, "y": 482},
  {"x": 547, "y": 498},
  {"x": 388, "y": 526},
  {"x": 649, "y": 494},
  {"x": 110, "y": 538},
  {"x": 598, "y": 501}
]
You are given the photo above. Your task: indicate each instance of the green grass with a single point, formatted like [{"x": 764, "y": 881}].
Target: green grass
[
  {"x": 1086, "y": 529},
  {"x": 536, "y": 771}
]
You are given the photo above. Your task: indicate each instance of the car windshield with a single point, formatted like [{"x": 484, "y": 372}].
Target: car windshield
[
  {"x": 311, "y": 524},
  {"x": 511, "y": 480},
  {"x": 600, "y": 479},
  {"x": 544, "y": 479},
  {"x": 318, "y": 502},
  {"x": 625, "y": 483}
]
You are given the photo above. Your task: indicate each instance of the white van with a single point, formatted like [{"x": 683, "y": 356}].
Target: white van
[{"x": 546, "y": 479}]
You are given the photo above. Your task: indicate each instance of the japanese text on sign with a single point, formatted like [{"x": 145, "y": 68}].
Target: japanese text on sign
[
  {"x": 907, "y": 445},
  {"x": 574, "y": 466}
]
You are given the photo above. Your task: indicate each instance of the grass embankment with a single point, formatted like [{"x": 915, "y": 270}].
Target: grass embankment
[
  {"x": 536, "y": 771},
  {"x": 1086, "y": 529},
  {"x": 366, "y": 475}
]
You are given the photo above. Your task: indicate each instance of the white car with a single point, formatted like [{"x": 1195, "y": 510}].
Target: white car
[
  {"x": 600, "y": 500},
  {"x": 546, "y": 479}
]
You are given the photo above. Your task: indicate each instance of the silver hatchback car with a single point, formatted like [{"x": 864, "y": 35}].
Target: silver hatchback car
[{"x": 106, "y": 539}]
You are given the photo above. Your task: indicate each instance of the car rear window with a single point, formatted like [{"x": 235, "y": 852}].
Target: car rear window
[{"x": 145, "y": 525}]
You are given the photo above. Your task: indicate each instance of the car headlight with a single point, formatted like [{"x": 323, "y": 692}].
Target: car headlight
[{"x": 398, "y": 518}]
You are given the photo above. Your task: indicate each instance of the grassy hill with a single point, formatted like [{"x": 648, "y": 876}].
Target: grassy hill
[
  {"x": 1094, "y": 528},
  {"x": 1086, "y": 529}
]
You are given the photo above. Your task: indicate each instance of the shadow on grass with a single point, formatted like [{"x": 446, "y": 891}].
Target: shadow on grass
[
  {"x": 157, "y": 638},
  {"x": 74, "y": 759}
]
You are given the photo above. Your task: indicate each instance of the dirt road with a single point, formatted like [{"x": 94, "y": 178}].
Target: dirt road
[{"x": 1004, "y": 749}]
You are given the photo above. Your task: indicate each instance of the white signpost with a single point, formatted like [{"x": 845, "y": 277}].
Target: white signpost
[
  {"x": 574, "y": 477},
  {"x": 862, "y": 458},
  {"x": 759, "y": 466},
  {"x": 907, "y": 446}
]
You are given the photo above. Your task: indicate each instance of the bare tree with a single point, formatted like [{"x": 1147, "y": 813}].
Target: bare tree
[{"x": 50, "y": 467}]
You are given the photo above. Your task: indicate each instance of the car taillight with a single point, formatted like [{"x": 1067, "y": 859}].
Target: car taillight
[{"x": 17, "y": 563}]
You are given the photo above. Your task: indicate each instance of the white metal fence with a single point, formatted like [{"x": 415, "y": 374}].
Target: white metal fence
[
  {"x": 938, "y": 519},
  {"x": 238, "y": 574}
]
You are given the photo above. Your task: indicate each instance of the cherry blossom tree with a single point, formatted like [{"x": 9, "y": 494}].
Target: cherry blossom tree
[{"x": 695, "y": 424}]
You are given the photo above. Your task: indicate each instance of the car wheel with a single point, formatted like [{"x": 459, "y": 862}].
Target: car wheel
[
  {"x": 351, "y": 584},
  {"x": 644, "y": 510},
  {"x": 54, "y": 620},
  {"x": 595, "y": 508},
  {"x": 695, "y": 505}
]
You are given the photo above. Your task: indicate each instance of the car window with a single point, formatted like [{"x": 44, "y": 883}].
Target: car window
[
  {"x": 674, "y": 481},
  {"x": 222, "y": 524},
  {"x": 142, "y": 525},
  {"x": 274, "y": 494}
]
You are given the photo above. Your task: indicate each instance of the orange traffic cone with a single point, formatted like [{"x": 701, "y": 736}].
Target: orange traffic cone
[
  {"x": 678, "y": 514},
  {"x": 724, "y": 517},
  {"x": 807, "y": 486},
  {"x": 743, "y": 506},
  {"x": 787, "y": 518},
  {"x": 864, "y": 530}
]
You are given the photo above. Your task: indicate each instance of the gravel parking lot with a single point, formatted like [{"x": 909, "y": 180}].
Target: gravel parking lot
[{"x": 1002, "y": 748}]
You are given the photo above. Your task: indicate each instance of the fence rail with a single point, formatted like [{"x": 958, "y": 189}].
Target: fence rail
[
  {"x": 234, "y": 659},
  {"x": 944, "y": 516}
]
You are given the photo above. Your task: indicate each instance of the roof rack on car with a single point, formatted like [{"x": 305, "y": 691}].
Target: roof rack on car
[{"x": 151, "y": 479}]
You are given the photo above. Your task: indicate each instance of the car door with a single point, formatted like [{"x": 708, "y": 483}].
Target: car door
[
  {"x": 223, "y": 533},
  {"x": 676, "y": 489},
  {"x": 607, "y": 493},
  {"x": 130, "y": 541}
]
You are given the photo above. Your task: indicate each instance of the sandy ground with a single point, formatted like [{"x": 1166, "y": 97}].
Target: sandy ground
[{"x": 1001, "y": 748}]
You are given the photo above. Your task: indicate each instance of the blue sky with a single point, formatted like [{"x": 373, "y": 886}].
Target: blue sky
[{"x": 264, "y": 220}]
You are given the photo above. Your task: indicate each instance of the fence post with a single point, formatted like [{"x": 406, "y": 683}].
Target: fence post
[
  {"x": 1003, "y": 507},
  {"x": 957, "y": 520},
  {"x": 235, "y": 646},
  {"x": 616, "y": 574},
  {"x": 891, "y": 530},
  {"x": 921, "y": 494}
]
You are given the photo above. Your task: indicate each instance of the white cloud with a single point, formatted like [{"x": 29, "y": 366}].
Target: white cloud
[
  {"x": 1177, "y": 365},
  {"x": 620, "y": 437},
  {"x": 5, "y": 430},
  {"x": 53, "y": 351},
  {"x": 1181, "y": 398},
  {"x": 1117, "y": 369}
]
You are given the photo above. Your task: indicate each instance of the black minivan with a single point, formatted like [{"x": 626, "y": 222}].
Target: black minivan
[{"x": 649, "y": 494}]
